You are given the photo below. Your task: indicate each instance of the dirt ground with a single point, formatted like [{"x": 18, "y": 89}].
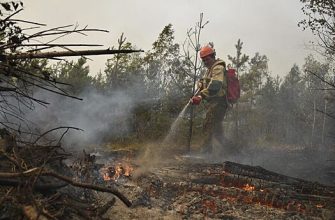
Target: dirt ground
[{"x": 156, "y": 197}]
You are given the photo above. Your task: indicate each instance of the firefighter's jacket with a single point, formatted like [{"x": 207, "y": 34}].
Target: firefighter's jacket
[{"x": 214, "y": 82}]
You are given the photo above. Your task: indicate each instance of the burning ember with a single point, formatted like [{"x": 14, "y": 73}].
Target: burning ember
[
  {"x": 248, "y": 188},
  {"x": 114, "y": 172},
  {"x": 218, "y": 191}
]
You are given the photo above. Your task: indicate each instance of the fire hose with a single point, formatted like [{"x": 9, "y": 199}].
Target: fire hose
[{"x": 196, "y": 93}]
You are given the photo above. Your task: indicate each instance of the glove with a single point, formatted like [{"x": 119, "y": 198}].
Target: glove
[
  {"x": 195, "y": 100},
  {"x": 200, "y": 84}
]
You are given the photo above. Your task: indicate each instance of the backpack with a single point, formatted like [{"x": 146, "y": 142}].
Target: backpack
[{"x": 233, "y": 86}]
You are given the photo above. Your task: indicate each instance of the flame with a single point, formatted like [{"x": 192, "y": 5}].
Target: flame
[
  {"x": 248, "y": 187},
  {"x": 114, "y": 172},
  {"x": 106, "y": 177},
  {"x": 118, "y": 171},
  {"x": 128, "y": 169}
]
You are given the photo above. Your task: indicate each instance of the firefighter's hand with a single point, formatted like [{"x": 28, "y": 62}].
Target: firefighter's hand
[
  {"x": 200, "y": 84},
  {"x": 195, "y": 100}
]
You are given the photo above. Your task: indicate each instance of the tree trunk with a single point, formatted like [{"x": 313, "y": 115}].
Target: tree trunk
[
  {"x": 313, "y": 125},
  {"x": 324, "y": 122}
]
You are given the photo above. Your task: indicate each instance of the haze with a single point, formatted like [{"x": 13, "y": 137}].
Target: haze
[{"x": 265, "y": 26}]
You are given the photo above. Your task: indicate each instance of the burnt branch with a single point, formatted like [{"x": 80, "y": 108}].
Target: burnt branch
[
  {"x": 326, "y": 113},
  {"x": 44, "y": 172},
  {"x": 20, "y": 56},
  {"x": 38, "y": 187},
  {"x": 321, "y": 78},
  {"x": 54, "y": 130}
]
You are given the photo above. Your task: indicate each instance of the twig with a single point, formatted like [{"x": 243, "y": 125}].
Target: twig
[
  {"x": 28, "y": 22},
  {"x": 5, "y": 196},
  {"x": 54, "y": 130},
  {"x": 60, "y": 45},
  {"x": 60, "y": 139},
  {"x": 321, "y": 78}
]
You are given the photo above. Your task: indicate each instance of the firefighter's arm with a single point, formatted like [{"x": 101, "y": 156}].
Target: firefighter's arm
[{"x": 216, "y": 82}]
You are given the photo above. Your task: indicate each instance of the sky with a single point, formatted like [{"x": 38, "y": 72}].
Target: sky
[{"x": 265, "y": 26}]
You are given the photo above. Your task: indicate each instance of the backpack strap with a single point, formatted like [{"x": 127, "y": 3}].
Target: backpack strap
[{"x": 225, "y": 73}]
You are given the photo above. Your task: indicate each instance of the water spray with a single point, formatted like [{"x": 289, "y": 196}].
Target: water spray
[{"x": 176, "y": 123}]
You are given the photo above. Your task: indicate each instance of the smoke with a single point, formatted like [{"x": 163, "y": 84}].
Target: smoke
[
  {"x": 100, "y": 116},
  {"x": 299, "y": 162}
]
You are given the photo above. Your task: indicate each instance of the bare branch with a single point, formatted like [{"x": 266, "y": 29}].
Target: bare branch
[
  {"x": 62, "y": 127},
  {"x": 47, "y": 55}
]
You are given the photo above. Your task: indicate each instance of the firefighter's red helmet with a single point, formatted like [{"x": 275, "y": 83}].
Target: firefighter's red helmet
[{"x": 205, "y": 51}]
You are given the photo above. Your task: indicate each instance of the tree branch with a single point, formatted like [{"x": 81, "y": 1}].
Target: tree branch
[{"x": 37, "y": 171}]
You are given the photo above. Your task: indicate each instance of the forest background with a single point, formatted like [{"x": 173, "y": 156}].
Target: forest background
[{"x": 136, "y": 98}]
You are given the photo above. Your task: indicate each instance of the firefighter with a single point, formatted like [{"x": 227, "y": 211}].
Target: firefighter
[{"x": 212, "y": 89}]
